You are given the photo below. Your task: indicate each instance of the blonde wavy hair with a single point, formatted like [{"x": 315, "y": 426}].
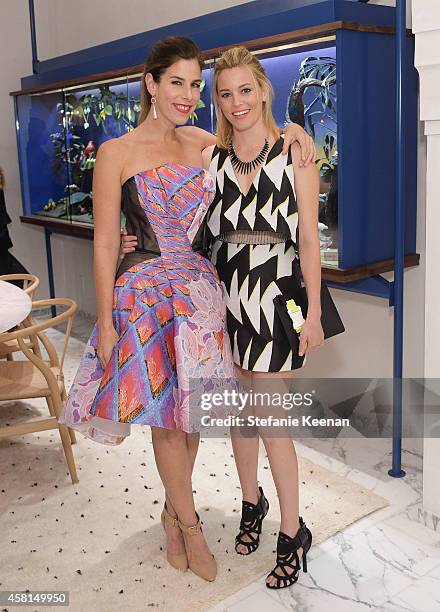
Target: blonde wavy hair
[{"x": 236, "y": 57}]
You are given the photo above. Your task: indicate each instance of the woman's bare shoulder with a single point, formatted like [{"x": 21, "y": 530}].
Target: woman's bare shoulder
[
  {"x": 113, "y": 148},
  {"x": 197, "y": 135},
  {"x": 113, "y": 153}
]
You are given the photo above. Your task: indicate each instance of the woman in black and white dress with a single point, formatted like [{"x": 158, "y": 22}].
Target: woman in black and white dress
[
  {"x": 252, "y": 235},
  {"x": 262, "y": 198}
]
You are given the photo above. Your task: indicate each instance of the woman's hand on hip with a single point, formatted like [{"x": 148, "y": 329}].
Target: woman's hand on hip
[{"x": 128, "y": 244}]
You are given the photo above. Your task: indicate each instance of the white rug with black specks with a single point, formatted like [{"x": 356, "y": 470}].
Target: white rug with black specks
[{"x": 102, "y": 540}]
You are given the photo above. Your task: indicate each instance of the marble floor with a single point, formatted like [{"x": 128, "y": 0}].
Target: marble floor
[{"x": 387, "y": 561}]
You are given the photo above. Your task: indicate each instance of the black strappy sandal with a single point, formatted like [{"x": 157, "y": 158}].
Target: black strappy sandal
[
  {"x": 286, "y": 553},
  {"x": 252, "y": 516}
]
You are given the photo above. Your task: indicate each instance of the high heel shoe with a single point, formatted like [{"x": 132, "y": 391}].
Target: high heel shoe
[
  {"x": 252, "y": 516},
  {"x": 287, "y": 552},
  {"x": 177, "y": 560},
  {"x": 205, "y": 569}
]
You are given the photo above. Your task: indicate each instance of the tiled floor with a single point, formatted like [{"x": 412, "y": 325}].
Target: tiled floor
[{"x": 386, "y": 561}]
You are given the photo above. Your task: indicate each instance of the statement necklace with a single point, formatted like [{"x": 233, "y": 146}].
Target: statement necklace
[{"x": 245, "y": 167}]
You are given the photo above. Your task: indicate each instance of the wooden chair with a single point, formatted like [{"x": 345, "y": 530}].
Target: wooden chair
[
  {"x": 36, "y": 377},
  {"x": 30, "y": 281},
  {"x": 30, "y": 285}
]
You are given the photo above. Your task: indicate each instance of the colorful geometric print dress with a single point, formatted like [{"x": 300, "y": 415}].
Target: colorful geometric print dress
[
  {"x": 168, "y": 311},
  {"x": 252, "y": 238}
]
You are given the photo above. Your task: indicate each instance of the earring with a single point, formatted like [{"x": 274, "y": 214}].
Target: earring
[{"x": 153, "y": 104}]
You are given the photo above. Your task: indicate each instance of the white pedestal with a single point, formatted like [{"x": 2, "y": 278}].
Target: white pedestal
[{"x": 426, "y": 27}]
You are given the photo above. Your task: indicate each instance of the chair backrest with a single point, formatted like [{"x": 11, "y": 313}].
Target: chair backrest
[
  {"x": 30, "y": 328},
  {"x": 30, "y": 281}
]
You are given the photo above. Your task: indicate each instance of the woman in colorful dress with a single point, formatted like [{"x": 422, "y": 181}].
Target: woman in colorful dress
[
  {"x": 262, "y": 198},
  {"x": 162, "y": 321}
]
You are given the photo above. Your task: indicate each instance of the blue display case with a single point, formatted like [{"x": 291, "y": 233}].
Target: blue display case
[
  {"x": 304, "y": 77},
  {"x": 59, "y": 132},
  {"x": 332, "y": 65}
]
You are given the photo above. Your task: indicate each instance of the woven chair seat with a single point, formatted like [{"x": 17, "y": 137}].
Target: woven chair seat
[
  {"x": 36, "y": 375},
  {"x": 11, "y": 346},
  {"x": 22, "y": 380}
]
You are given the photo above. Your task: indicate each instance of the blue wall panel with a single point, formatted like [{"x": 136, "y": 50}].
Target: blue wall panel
[
  {"x": 411, "y": 109},
  {"x": 366, "y": 113}
]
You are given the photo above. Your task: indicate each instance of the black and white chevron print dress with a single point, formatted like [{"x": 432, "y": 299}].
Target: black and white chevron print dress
[{"x": 253, "y": 274}]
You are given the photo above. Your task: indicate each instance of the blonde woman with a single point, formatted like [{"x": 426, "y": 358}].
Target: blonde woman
[{"x": 262, "y": 196}]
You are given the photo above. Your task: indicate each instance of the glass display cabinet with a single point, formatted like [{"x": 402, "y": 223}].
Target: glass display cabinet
[
  {"x": 59, "y": 133},
  {"x": 304, "y": 81},
  {"x": 335, "y": 79}
]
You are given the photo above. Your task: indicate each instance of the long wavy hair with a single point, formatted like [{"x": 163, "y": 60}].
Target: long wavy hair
[
  {"x": 164, "y": 54},
  {"x": 2, "y": 178},
  {"x": 236, "y": 57}
]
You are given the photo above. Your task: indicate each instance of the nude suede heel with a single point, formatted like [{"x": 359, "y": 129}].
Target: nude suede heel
[
  {"x": 204, "y": 569},
  {"x": 178, "y": 561}
]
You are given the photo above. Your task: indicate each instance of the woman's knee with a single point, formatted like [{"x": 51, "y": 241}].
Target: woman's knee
[
  {"x": 174, "y": 437},
  {"x": 275, "y": 439}
]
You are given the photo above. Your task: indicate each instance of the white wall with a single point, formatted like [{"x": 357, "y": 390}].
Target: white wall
[
  {"x": 16, "y": 61},
  {"x": 101, "y": 21},
  {"x": 426, "y": 27},
  {"x": 364, "y": 350},
  {"x": 78, "y": 24}
]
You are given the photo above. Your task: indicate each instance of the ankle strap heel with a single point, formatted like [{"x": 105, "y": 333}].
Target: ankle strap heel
[
  {"x": 191, "y": 529},
  {"x": 172, "y": 521},
  {"x": 252, "y": 516},
  {"x": 206, "y": 569},
  {"x": 177, "y": 560},
  {"x": 287, "y": 556}
]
